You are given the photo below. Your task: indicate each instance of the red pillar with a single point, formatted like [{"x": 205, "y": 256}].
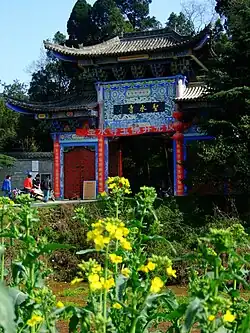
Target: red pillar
[
  {"x": 101, "y": 164},
  {"x": 56, "y": 168},
  {"x": 120, "y": 171}
]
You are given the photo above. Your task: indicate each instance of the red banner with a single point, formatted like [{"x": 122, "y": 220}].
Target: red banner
[
  {"x": 179, "y": 168},
  {"x": 108, "y": 132},
  {"x": 101, "y": 168},
  {"x": 57, "y": 169}
]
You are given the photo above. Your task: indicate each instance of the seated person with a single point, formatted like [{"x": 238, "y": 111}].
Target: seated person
[
  {"x": 27, "y": 184},
  {"x": 37, "y": 182}
]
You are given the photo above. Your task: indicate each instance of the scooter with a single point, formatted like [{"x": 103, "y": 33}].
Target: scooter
[
  {"x": 37, "y": 194},
  {"x": 16, "y": 192}
]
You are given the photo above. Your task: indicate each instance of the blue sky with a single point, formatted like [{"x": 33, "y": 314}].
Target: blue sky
[{"x": 25, "y": 24}]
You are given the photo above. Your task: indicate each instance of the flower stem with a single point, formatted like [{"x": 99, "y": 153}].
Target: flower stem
[
  {"x": 216, "y": 277},
  {"x": 2, "y": 259},
  {"x": 105, "y": 291}
]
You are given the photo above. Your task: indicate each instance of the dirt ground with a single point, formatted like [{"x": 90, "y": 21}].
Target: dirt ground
[{"x": 77, "y": 295}]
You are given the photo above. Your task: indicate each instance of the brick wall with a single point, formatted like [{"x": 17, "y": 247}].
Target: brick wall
[{"x": 23, "y": 164}]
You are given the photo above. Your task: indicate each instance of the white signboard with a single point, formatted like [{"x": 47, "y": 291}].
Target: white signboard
[{"x": 35, "y": 166}]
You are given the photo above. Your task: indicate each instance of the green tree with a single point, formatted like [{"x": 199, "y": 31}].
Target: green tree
[
  {"x": 51, "y": 81},
  {"x": 10, "y": 120},
  {"x": 180, "y": 23},
  {"x": 228, "y": 155},
  {"x": 80, "y": 26},
  {"x": 108, "y": 20},
  {"x": 137, "y": 12},
  {"x": 88, "y": 25}
]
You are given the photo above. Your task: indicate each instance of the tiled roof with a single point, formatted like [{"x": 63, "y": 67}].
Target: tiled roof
[
  {"x": 70, "y": 103},
  {"x": 195, "y": 91},
  {"x": 131, "y": 43},
  {"x": 31, "y": 155}
]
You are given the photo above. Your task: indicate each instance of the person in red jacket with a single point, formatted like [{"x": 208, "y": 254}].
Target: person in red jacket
[{"x": 27, "y": 184}]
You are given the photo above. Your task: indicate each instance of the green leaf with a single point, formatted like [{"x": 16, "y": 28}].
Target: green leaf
[
  {"x": 17, "y": 296},
  {"x": 18, "y": 271},
  {"x": 170, "y": 299},
  {"x": 7, "y": 313},
  {"x": 245, "y": 325},
  {"x": 55, "y": 246},
  {"x": 120, "y": 286},
  {"x": 88, "y": 251},
  {"x": 223, "y": 329},
  {"x": 241, "y": 280},
  {"x": 74, "y": 320},
  {"x": 190, "y": 315}
]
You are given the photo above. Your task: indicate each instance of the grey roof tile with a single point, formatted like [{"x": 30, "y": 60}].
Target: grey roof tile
[
  {"x": 137, "y": 42},
  {"x": 70, "y": 103},
  {"x": 193, "y": 92}
]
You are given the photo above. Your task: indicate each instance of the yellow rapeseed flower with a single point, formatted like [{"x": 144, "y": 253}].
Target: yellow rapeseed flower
[
  {"x": 59, "y": 305},
  {"x": 156, "y": 285},
  {"x": 229, "y": 317},
  {"x": 116, "y": 306},
  {"x": 111, "y": 186},
  {"x": 147, "y": 268},
  {"x": 98, "y": 224},
  {"x": 111, "y": 228},
  {"x": 126, "y": 245},
  {"x": 115, "y": 259},
  {"x": 143, "y": 269},
  {"x": 119, "y": 233},
  {"x": 97, "y": 232},
  {"x": 108, "y": 284},
  {"x": 90, "y": 236},
  {"x": 151, "y": 266},
  {"x": 171, "y": 272},
  {"x": 109, "y": 180},
  {"x": 93, "y": 278},
  {"x": 211, "y": 318},
  {"x": 96, "y": 285},
  {"x": 100, "y": 242},
  {"x": 125, "y": 231},
  {"x": 76, "y": 280},
  {"x": 34, "y": 320},
  {"x": 96, "y": 269},
  {"x": 126, "y": 272}
]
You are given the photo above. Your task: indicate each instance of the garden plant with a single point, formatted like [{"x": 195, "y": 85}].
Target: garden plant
[{"x": 127, "y": 284}]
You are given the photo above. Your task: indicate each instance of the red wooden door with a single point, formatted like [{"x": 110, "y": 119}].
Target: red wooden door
[{"x": 79, "y": 165}]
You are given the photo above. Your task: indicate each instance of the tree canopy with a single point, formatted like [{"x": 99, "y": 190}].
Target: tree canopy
[
  {"x": 228, "y": 155},
  {"x": 180, "y": 23},
  {"x": 90, "y": 24}
]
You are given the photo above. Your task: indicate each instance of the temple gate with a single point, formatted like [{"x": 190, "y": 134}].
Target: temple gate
[{"x": 142, "y": 83}]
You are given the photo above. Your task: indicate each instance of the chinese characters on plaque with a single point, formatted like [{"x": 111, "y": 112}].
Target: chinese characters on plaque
[
  {"x": 111, "y": 132},
  {"x": 139, "y": 108}
]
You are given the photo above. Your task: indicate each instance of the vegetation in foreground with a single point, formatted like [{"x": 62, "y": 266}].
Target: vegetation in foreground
[{"x": 126, "y": 284}]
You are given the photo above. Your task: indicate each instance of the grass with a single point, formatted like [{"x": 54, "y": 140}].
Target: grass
[{"x": 73, "y": 292}]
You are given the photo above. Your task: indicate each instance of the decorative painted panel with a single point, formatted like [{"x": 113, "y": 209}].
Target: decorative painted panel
[
  {"x": 152, "y": 99},
  {"x": 73, "y": 138},
  {"x": 71, "y": 125}
]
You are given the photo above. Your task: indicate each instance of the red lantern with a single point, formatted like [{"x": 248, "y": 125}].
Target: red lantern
[
  {"x": 178, "y": 126},
  {"x": 177, "y": 115},
  {"x": 178, "y": 137}
]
